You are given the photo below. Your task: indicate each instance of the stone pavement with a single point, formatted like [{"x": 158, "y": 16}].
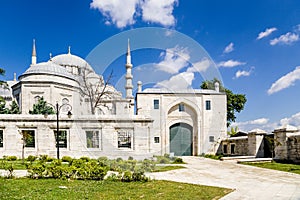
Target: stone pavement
[{"x": 249, "y": 182}]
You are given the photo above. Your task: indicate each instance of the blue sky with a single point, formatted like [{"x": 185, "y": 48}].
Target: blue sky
[{"x": 254, "y": 44}]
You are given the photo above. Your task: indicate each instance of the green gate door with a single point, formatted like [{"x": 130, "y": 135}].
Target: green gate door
[{"x": 181, "y": 139}]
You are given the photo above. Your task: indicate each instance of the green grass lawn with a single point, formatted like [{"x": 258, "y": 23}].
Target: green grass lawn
[
  {"x": 52, "y": 189},
  {"x": 167, "y": 168},
  {"x": 277, "y": 166}
]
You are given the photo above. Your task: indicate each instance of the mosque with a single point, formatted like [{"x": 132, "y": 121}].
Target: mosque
[{"x": 93, "y": 119}]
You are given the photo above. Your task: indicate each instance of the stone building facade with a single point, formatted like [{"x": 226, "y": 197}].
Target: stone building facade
[{"x": 154, "y": 122}]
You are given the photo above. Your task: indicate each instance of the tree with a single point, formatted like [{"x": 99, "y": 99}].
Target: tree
[
  {"x": 233, "y": 131},
  {"x": 95, "y": 88},
  {"x": 41, "y": 107},
  {"x": 14, "y": 108},
  {"x": 26, "y": 138},
  {"x": 3, "y": 109},
  {"x": 235, "y": 102}
]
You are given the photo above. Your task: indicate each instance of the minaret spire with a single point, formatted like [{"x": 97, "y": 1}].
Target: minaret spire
[
  {"x": 128, "y": 56},
  {"x": 128, "y": 76},
  {"x": 33, "y": 56}
]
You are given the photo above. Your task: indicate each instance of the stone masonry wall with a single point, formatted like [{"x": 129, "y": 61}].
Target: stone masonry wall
[{"x": 293, "y": 148}]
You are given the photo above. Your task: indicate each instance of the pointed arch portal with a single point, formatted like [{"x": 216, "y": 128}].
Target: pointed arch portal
[{"x": 181, "y": 139}]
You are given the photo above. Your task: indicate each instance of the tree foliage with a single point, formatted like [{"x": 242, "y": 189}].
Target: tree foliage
[
  {"x": 95, "y": 88},
  {"x": 235, "y": 102},
  {"x": 41, "y": 107},
  {"x": 14, "y": 108}
]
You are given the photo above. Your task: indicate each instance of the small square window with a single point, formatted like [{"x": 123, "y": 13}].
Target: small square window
[
  {"x": 181, "y": 107},
  {"x": 211, "y": 138},
  {"x": 208, "y": 105},
  {"x": 156, "y": 104},
  {"x": 28, "y": 137},
  {"x": 156, "y": 139}
]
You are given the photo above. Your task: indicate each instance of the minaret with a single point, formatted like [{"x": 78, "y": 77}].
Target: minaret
[
  {"x": 128, "y": 76},
  {"x": 33, "y": 56}
]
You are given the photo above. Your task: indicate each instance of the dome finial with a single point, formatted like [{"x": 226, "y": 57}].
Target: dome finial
[
  {"x": 69, "y": 50},
  {"x": 50, "y": 54},
  {"x": 33, "y": 56}
]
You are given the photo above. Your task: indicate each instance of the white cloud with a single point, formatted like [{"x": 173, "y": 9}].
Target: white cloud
[
  {"x": 158, "y": 11},
  {"x": 260, "y": 123},
  {"x": 116, "y": 11},
  {"x": 174, "y": 59},
  {"x": 123, "y": 13},
  {"x": 288, "y": 38},
  {"x": 241, "y": 73},
  {"x": 266, "y": 33},
  {"x": 265, "y": 124},
  {"x": 285, "y": 81},
  {"x": 229, "y": 48},
  {"x": 230, "y": 63},
  {"x": 177, "y": 82},
  {"x": 200, "y": 66},
  {"x": 294, "y": 120}
]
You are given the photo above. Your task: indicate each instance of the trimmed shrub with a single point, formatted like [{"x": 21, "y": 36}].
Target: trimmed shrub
[
  {"x": 178, "y": 161},
  {"x": 127, "y": 176},
  {"x": 85, "y": 159},
  {"x": 31, "y": 158},
  {"x": 11, "y": 158},
  {"x": 67, "y": 159}
]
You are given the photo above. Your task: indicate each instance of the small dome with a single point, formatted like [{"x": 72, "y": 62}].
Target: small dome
[
  {"x": 48, "y": 68},
  {"x": 69, "y": 60}
]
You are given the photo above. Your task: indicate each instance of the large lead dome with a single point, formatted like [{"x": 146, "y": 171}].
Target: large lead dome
[{"x": 71, "y": 61}]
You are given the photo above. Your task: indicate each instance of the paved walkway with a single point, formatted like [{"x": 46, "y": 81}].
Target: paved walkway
[{"x": 249, "y": 182}]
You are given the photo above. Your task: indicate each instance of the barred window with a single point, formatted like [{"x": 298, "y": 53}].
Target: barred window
[
  {"x": 181, "y": 107},
  {"x": 208, "y": 105},
  {"x": 124, "y": 138},
  {"x": 62, "y": 139},
  {"x": 28, "y": 136},
  {"x": 156, "y": 104},
  {"x": 92, "y": 139}
]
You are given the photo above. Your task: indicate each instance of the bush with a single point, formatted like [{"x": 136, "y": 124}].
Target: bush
[
  {"x": 10, "y": 168},
  {"x": 67, "y": 159},
  {"x": 215, "y": 157},
  {"x": 31, "y": 158},
  {"x": 178, "y": 161},
  {"x": 45, "y": 158},
  {"x": 164, "y": 160},
  {"x": 85, "y": 159},
  {"x": 148, "y": 165},
  {"x": 11, "y": 158},
  {"x": 130, "y": 158},
  {"x": 139, "y": 176},
  {"x": 36, "y": 171},
  {"x": 127, "y": 176}
]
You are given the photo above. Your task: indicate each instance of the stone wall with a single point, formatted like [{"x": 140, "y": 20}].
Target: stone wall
[
  {"x": 234, "y": 146},
  {"x": 293, "y": 143}
]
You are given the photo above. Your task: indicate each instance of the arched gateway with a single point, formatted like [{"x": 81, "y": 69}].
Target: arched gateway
[{"x": 181, "y": 139}]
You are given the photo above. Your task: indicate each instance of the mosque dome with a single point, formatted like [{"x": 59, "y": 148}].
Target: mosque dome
[
  {"x": 69, "y": 60},
  {"x": 48, "y": 68}
]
